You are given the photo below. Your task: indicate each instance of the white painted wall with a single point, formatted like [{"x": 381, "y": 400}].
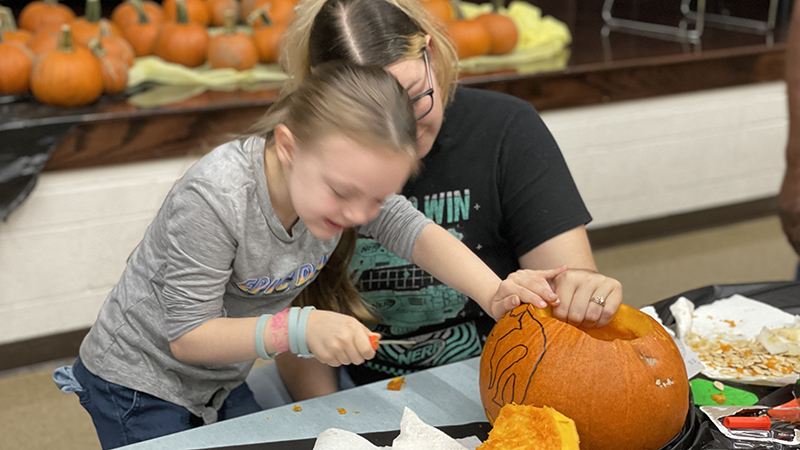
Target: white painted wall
[{"x": 65, "y": 247}]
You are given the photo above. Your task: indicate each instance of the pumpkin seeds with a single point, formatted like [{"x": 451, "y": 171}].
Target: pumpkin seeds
[{"x": 743, "y": 358}]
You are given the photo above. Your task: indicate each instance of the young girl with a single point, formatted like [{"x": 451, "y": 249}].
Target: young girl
[
  {"x": 240, "y": 235},
  {"x": 491, "y": 173}
]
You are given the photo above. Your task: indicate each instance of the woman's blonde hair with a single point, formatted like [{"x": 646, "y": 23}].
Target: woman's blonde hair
[
  {"x": 366, "y": 104},
  {"x": 366, "y": 32}
]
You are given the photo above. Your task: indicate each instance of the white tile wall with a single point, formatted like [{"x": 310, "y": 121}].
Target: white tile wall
[{"x": 65, "y": 247}]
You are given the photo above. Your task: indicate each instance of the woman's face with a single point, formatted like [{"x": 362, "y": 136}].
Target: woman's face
[{"x": 413, "y": 75}]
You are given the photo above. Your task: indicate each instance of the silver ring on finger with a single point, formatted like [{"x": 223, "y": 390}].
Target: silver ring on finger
[{"x": 600, "y": 300}]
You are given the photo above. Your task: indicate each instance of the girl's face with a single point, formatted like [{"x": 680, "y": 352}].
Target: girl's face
[
  {"x": 337, "y": 183},
  {"x": 414, "y": 76}
]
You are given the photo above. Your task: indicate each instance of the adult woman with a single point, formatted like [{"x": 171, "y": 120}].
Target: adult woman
[{"x": 491, "y": 174}]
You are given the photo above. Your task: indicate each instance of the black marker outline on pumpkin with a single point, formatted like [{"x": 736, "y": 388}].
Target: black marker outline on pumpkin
[{"x": 494, "y": 378}]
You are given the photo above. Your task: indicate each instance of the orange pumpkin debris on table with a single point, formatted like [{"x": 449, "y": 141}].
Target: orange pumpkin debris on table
[
  {"x": 9, "y": 30},
  {"x": 267, "y": 36},
  {"x": 86, "y": 27},
  {"x": 16, "y": 61},
  {"x": 37, "y": 15},
  {"x": 68, "y": 76},
  {"x": 142, "y": 34},
  {"x": 523, "y": 427},
  {"x": 624, "y": 384},
  {"x": 217, "y": 9},
  {"x": 127, "y": 13},
  {"x": 396, "y": 383},
  {"x": 182, "y": 42},
  {"x": 470, "y": 38},
  {"x": 113, "y": 66},
  {"x": 502, "y": 32},
  {"x": 232, "y": 49},
  {"x": 196, "y": 11},
  {"x": 440, "y": 9},
  {"x": 45, "y": 40}
]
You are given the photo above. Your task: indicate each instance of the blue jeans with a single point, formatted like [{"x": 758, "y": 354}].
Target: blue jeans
[{"x": 123, "y": 416}]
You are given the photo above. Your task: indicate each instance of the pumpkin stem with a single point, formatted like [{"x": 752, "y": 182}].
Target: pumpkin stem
[
  {"x": 97, "y": 47},
  {"x": 456, "y": 4},
  {"x": 93, "y": 11},
  {"x": 65, "y": 43},
  {"x": 496, "y": 6},
  {"x": 230, "y": 21},
  {"x": 263, "y": 14},
  {"x": 105, "y": 29},
  {"x": 139, "y": 7},
  {"x": 183, "y": 16},
  {"x": 50, "y": 2},
  {"x": 7, "y": 22}
]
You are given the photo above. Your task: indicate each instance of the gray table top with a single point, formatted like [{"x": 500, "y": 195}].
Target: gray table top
[{"x": 446, "y": 395}]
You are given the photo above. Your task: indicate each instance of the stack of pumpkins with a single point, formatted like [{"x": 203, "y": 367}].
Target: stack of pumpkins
[
  {"x": 64, "y": 60},
  {"x": 487, "y": 34}
]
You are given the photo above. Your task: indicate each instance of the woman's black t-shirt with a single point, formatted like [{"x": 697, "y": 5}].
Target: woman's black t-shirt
[{"x": 495, "y": 178}]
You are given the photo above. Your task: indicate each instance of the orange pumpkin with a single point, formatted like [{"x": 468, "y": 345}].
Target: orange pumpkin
[
  {"x": 502, "y": 32},
  {"x": 15, "y": 67},
  {"x": 196, "y": 10},
  {"x": 40, "y": 14},
  {"x": 142, "y": 34},
  {"x": 624, "y": 384},
  {"x": 267, "y": 36},
  {"x": 115, "y": 45},
  {"x": 67, "y": 76},
  {"x": 217, "y": 9},
  {"x": 45, "y": 40},
  {"x": 280, "y": 11},
  {"x": 232, "y": 49},
  {"x": 127, "y": 13},
  {"x": 469, "y": 37},
  {"x": 114, "y": 68},
  {"x": 440, "y": 9},
  {"x": 182, "y": 42},
  {"x": 9, "y": 30},
  {"x": 86, "y": 27}
]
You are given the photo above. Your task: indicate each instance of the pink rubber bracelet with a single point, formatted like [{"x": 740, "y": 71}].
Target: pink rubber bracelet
[{"x": 280, "y": 331}]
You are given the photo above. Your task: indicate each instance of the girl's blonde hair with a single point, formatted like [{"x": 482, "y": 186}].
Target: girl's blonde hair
[
  {"x": 366, "y": 32},
  {"x": 366, "y": 104}
]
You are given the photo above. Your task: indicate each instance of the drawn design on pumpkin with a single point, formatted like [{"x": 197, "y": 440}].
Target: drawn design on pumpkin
[{"x": 502, "y": 375}]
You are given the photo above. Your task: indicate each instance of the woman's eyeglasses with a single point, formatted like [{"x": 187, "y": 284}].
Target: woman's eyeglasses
[{"x": 423, "y": 107}]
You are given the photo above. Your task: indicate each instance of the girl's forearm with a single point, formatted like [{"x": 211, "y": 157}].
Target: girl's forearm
[
  {"x": 451, "y": 262},
  {"x": 222, "y": 341}
]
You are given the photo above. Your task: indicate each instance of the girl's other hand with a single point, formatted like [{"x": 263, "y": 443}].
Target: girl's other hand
[
  {"x": 588, "y": 299},
  {"x": 336, "y": 339},
  {"x": 526, "y": 286}
]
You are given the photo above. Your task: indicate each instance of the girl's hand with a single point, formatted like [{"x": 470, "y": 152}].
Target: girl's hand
[
  {"x": 581, "y": 291},
  {"x": 336, "y": 339},
  {"x": 525, "y": 286}
]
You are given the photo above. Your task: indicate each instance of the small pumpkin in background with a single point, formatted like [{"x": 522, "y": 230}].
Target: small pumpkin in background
[
  {"x": 440, "y": 9},
  {"x": 182, "y": 42},
  {"x": 115, "y": 45},
  {"x": 68, "y": 76},
  {"x": 624, "y": 385},
  {"x": 113, "y": 67},
  {"x": 196, "y": 11},
  {"x": 127, "y": 13},
  {"x": 266, "y": 35},
  {"x": 502, "y": 30},
  {"x": 218, "y": 9},
  {"x": 281, "y": 12},
  {"x": 142, "y": 35},
  {"x": 470, "y": 37},
  {"x": 231, "y": 48},
  {"x": 9, "y": 30},
  {"x": 16, "y": 61},
  {"x": 45, "y": 40},
  {"x": 86, "y": 27},
  {"x": 39, "y": 14}
]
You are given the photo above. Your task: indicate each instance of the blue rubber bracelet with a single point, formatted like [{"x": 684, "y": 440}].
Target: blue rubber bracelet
[
  {"x": 262, "y": 351},
  {"x": 301, "y": 331},
  {"x": 294, "y": 347}
]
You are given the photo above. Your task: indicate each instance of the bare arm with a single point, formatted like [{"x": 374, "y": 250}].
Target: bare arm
[
  {"x": 790, "y": 190},
  {"x": 306, "y": 378},
  {"x": 221, "y": 341}
]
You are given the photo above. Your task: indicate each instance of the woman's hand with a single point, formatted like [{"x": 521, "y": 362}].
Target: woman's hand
[
  {"x": 588, "y": 299},
  {"x": 336, "y": 339},
  {"x": 525, "y": 286}
]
